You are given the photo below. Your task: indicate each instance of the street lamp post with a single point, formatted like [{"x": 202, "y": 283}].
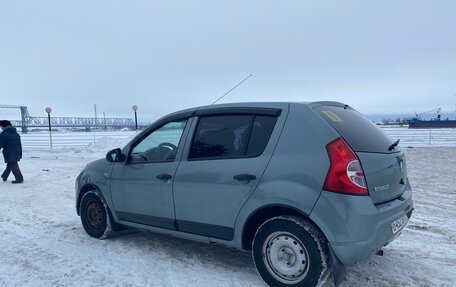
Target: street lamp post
[
  {"x": 135, "y": 108},
  {"x": 48, "y": 111}
]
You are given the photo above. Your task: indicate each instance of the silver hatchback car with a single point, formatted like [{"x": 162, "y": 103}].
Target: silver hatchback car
[{"x": 309, "y": 188}]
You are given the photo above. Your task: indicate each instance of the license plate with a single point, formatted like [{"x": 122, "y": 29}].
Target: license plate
[{"x": 399, "y": 223}]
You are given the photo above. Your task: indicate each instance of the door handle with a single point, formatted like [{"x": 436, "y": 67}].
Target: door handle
[
  {"x": 246, "y": 177},
  {"x": 164, "y": 177}
]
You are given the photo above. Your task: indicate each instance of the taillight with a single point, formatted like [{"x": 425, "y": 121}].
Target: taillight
[{"x": 345, "y": 174}]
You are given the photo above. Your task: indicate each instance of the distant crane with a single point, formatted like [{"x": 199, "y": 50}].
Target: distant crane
[{"x": 438, "y": 110}]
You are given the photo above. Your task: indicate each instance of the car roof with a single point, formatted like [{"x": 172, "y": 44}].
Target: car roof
[{"x": 268, "y": 108}]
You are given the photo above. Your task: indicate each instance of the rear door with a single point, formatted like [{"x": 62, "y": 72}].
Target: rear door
[
  {"x": 227, "y": 156},
  {"x": 383, "y": 165}
]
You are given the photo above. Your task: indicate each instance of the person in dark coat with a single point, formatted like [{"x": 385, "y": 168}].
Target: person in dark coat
[{"x": 10, "y": 142}]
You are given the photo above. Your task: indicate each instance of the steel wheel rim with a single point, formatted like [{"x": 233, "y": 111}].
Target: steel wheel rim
[
  {"x": 285, "y": 257},
  {"x": 94, "y": 215}
]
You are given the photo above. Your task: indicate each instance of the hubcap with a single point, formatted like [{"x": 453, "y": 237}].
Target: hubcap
[
  {"x": 285, "y": 257},
  {"x": 94, "y": 215}
]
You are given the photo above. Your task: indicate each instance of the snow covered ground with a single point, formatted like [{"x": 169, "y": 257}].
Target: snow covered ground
[{"x": 42, "y": 242}]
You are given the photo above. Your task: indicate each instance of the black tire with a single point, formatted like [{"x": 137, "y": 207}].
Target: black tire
[
  {"x": 95, "y": 215},
  {"x": 288, "y": 251}
]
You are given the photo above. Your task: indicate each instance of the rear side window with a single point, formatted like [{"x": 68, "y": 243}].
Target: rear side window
[
  {"x": 231, "y": 136},
  {"x": 358, "y": 131},
  {"x": 261, "y": 131}
]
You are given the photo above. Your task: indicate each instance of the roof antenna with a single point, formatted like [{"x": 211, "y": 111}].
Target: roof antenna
[{"x": 232, "y": 89}]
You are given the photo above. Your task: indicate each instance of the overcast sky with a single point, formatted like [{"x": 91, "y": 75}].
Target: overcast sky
[{"x": 380, "y": 57}]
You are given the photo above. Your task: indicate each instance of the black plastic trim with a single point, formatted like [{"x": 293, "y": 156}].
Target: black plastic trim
[
  {"x": 209, "y": 230},
  {"x": 162, "y": 222},
  {"x": 172, "y": 118},
  {"x": 240, "y": 110}
]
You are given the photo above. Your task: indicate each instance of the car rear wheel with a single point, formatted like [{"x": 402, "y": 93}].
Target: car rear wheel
[
  {"x": 289, "y": 251},
  {"x": 95, "y": 216}
]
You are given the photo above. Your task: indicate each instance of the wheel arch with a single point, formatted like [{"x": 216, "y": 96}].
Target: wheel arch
[
  {"x": 262, "y": 214},
  {"x": 86, "y": 188}
]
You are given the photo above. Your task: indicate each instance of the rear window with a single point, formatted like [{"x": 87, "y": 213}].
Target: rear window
[
  {"x": 220, "y": 136},
  {"x": 231, "y": 136},
  {"x": 358, "y": 131},
  {"x": 261, "y": 131}
]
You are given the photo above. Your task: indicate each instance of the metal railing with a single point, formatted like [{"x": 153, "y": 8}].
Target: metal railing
[
  {"x": 73, "y": 139},
  {"x": 422, "y": 137},
  {"x": 75, "y": 122}
]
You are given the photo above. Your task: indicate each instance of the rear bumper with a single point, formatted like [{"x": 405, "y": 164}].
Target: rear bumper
[{"x": 356, "y": 228}]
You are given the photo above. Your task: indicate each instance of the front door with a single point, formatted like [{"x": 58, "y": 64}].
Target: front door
[{"x": 141, "y": 188}]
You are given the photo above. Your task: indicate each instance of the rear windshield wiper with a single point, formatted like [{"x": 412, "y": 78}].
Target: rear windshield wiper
[{"x": 393, "y": 145}]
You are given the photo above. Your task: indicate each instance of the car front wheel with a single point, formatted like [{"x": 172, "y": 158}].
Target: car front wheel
[
  {"x": 95, "y": 216},
  {"x": 289, "y": 251}
]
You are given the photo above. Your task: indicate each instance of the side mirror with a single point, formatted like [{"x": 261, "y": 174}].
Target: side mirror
[{"x": 115, "y": 155}]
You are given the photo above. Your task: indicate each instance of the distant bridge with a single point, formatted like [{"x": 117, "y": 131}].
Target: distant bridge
[{"x": 28, "y": 121}]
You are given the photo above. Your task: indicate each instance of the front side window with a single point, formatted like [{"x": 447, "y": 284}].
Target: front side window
[
  {"x": 231, "y": 136},
  {"x": 160, "y": 145}
]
